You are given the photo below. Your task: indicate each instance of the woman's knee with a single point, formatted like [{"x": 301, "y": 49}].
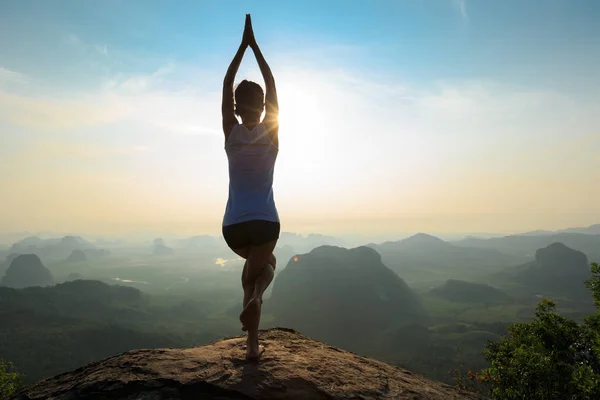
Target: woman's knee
[{"x": 255, "y": 267}]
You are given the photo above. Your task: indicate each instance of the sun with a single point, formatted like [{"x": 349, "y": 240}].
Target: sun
[{"x": 304, "y": 132}]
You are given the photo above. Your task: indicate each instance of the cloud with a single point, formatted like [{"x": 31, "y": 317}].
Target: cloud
[
  {"x": 57, "y": 149},
  {"x": 55, "y": 113},
  {"x": 388, "y": 147},
  {"x": 102, "y": 49},
  {"x": 9, "y": 76},
  {"x": 142, "y": 99},
  {"x": 74, "y": 40},
  {"x": 462, "y": 8}
]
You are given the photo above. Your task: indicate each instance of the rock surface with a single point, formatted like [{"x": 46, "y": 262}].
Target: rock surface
[{"x": 293, "y": 367}]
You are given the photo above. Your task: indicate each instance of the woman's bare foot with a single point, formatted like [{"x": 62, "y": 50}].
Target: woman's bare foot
[
  {"x": 254, "y": 352},
  {"x": 250, "y": 313}
]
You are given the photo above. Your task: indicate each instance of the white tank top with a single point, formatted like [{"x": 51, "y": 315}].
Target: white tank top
[{"x": 251, "y": 155}]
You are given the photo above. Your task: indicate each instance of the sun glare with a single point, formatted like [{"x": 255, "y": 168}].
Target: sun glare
[{"x": 305, "y": 137}]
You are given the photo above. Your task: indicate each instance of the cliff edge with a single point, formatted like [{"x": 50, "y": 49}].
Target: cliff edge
[{"x": 293, "y": 367}]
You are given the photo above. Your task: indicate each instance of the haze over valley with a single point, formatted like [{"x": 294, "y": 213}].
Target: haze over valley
[{"x": 421, "y": 302}]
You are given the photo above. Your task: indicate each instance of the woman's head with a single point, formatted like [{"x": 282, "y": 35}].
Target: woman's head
[{"x": 249, "y": 100}]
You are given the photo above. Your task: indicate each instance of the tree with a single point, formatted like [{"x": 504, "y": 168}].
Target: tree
[
  {"x": 10, "y": 380},
  {"x": 551, "y": 357}
]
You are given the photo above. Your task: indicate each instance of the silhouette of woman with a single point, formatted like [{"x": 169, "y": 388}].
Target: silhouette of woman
[{"x": 251, "y": 222}]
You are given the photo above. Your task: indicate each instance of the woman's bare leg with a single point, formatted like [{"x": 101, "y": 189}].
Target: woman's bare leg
[
  {"x": 258, "y": 287},
  {"x": 248, "y": 288},
  {"x": 258, "y": 274}
]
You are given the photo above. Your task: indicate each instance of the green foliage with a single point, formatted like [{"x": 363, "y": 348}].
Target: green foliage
[
  {"x": 594, "y": 283},
  {"x": 470, "y": 381},
  {"x": 10, "y": 380},
  {"x": 552, "y": 357}
]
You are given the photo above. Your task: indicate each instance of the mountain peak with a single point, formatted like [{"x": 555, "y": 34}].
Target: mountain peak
[
  {"x": 26, "y": 270},
  {"x": 422, "y": 237},
  {"x": 219, "y": 371},
  {"x": 559, "y": 253},
  {"x": 423, "y": 241}
]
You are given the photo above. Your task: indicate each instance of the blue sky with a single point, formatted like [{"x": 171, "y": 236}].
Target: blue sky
[
  {"x": 534, "y": 42},
  {"x": 476, "y": 102}
]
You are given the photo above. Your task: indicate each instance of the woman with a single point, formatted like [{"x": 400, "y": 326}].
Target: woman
[{"x": 251, "y": 222}]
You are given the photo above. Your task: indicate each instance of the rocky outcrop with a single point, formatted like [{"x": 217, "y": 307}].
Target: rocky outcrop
[{"x": 293, "y": 367}]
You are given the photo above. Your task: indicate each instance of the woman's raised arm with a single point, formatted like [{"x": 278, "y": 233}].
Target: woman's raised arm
[
  {"x": 227, "y": 106},
  {"x": 271, "y": 119}
]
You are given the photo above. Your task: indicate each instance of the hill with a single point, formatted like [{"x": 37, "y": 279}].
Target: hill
[
  {"x": 425, "y": 260},
  {"x": 218, "y": 371},
  {"x": 26, "y": 270},
  {"x": 467, "y": 292},
  {"x": 47, "y": 330},
  {"x": 556, "y": 271},
  {"x": 342, "y": 296}
]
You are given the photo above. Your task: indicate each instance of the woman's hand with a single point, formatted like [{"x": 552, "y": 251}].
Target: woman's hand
[{"x": 248, "y": 38}]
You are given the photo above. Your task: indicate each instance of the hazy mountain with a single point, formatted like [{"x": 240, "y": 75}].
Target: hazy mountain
[
  {"x": 53, "y": 248},
  {"x": 92, "y": 253},
  {"x": 307, "y": 243},
  {"x": 198, "y": 243},
  {"x": 556, "y": 270},
  {"x": 6, "y": 263},
  {"x": 26, "y": 270},
  {"x": 538, "y": 232},
  {"x": 284, "y": 254},
  {"x": 77, "y": 256},
  {"x": 428, "y": 259},
  {"x": 27, "y": 244},
  {"x": 467, "y": 292},
  {"x": 587, "y": 230},
  {"x": 522, "y": 245},
  {"x": 342, "y": 296},
  {"x": 160, "y": 249}
]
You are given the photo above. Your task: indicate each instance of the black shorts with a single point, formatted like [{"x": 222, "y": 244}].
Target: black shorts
[{"x": 250, "y": 233}]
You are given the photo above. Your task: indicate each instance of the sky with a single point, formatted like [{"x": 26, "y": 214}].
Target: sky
[{"x": 395, "y": 116}]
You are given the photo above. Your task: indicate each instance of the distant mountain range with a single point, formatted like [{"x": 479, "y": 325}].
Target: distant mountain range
[
  {"x": 589, "y": 230},
  {"x": 426, "y": 258},
  {"x": 527, "y": 245}
]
